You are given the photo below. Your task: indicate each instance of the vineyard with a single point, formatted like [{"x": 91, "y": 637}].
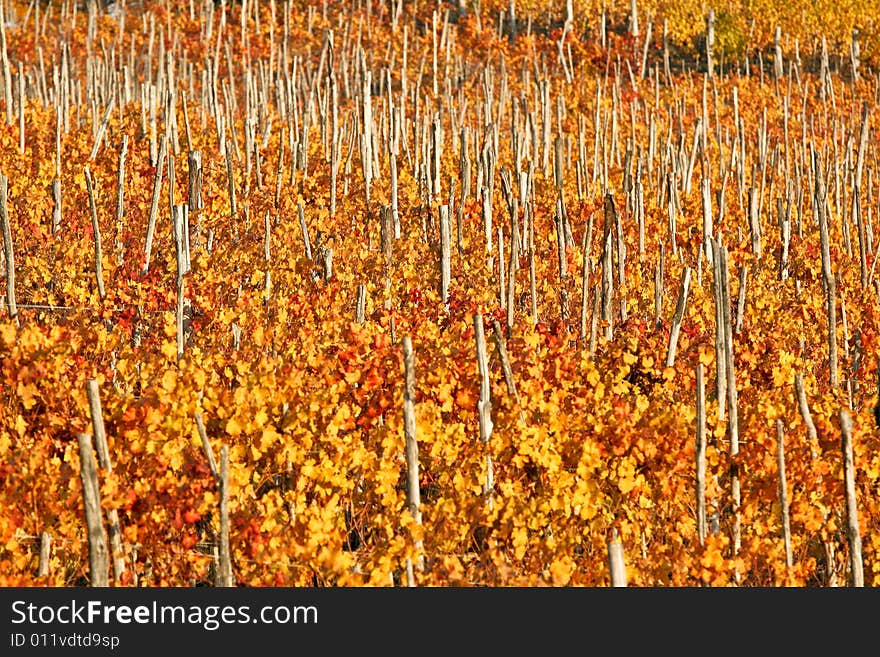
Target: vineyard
[{"x": 498, "y": 293}]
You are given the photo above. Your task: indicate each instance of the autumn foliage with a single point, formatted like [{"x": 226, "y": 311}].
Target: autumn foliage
[{"x": 598, "y": 438}]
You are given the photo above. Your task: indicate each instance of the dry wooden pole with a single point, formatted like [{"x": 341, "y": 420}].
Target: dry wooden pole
[
  {"x": 180, "y": 224},
  {"x": 785, "y": 228},
  {"x": 102, "y": 129},
  {"x": 361, "y": 306},
  {"x": 533, "y": 291},
  {"x": 777, "y": 53},
  {"x": 206, "y": 446},
  {"x": 680, "y": 308},
  {"x": 707, "y": 218},
  {"x": 560, "y": 246},
  {"x": 327, "y": 255},
  {"x": 180, "y": 219},
  {"x": 513, "y": 260},
  {"x": 413, "y": 495},
  {"x": 21, "y": 107},
  {"x": 194, "y": 191},
  {"x": 224, "y": 576},
  {"x": 7, "y": 76},
  {"x": 304, "y": 229},
  {"x": 755, "y": 221},
  {"x": 805, "y": 411},
  {"x": 857, "y": 200},
  {"x": 710, "y": 42},
  {"x": 45, "y": 554},
  {"x": 616, "y": 564},
  {"x": 99, "y": 268},
  {"x": 502, "y": 298},
  {"x": 658, "y": 284},
  {"x": 718, "y": 285},
  {"x": 230, "y": 182},
  {"x": 56, "y": 206},
  {"x": 585, "y": 278},
  {"x": 820, "y": 197},
  {"x": 334, "y": 127},
  {"x": 857, "y": 577},
  {"x": 876, "y": 409},
  {"x": 594, "y": 321},
  {"x": 484, "y": 405},
  {"x": 783, "y": 494},
  {"x": 7, "y": 251},
  {"x": 700, "y": 455},
  {"x": 386, "y": 224},
  {"x": 100, "y": 434},
  {"x": 99, "y": 562},
  {"x": 741, "y": 297},
  {"x": 486, "y": 208},
  {"x": 733, "y": 417},
  {"x": 120, "y": 199},
  {"x": 501, "y": 347},
  {"x": 179, "y": 316},
  {"x": 445, "y": 254},
  {"x": 154, "y": 204},
  {"x": 607, "y": 271}
]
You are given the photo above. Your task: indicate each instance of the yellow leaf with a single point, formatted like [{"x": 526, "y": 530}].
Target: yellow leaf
[
  {"x": 26, "y": 393},
  {"x": 520, "y": 541},
  {"x": 7, "y": 334},
  {"x": 532, "y": 340},
  {"x": 169, "y": 349},
  {"x": 268, "y": 437},
  {"x": 199, "y": 379},
  {"x": 170, "y": 327},
  {"x": 626, "y": 485},
  {"x": 560, "y": 571},
  {"x": 169, "y": 381},
  {"x": 779, "y": 377},
  {"x": 233, "y": 428},
  {"x": 706, "y": 356}
]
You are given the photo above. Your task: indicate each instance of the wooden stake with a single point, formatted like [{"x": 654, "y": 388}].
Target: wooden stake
[
  {"x": 857, "y": 578},
  {"x": 99, "y": 562},
  {"x": 445, "y": 255},
  {"x": 100, "y": 435},
  {"x": 413, "y": 495},
  {"x": 99, "y": 268},
  {"x": 700, "y": 455},
  {"x": 102, "y": 129},
  {"x": 8, "y": 253},
  {"x": 783, "y": 494},
  {"x": 45, "y": 554},
  {"x": 801, "y": 395},
  {"x": 680, "y": 308},
  {"x": 224, "y": 577},
  {"x": 154, "y": 204},
  {"x": 206, "y": 446},
  {"x": 120, "y": 199},
  {"x": 616, "y": 564},
  {"x": 484, "y": 405}
]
